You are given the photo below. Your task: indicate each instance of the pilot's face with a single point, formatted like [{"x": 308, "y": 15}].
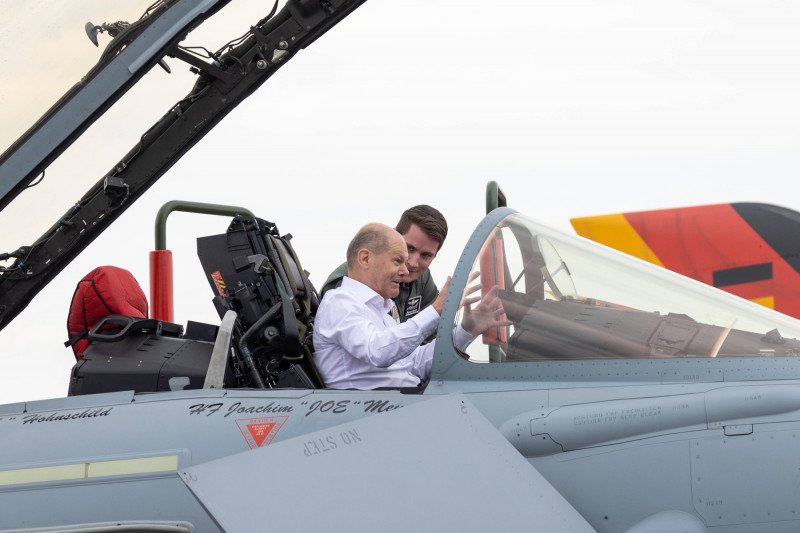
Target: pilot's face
[
  {"x": 388, "y": 269},
  {"x": 421, "y": 252}
]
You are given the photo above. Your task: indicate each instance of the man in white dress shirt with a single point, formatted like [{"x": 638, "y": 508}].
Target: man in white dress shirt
[{"x": 357, "y": 343}]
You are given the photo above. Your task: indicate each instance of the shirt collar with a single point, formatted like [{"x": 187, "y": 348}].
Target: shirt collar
[{"x": 366, "y": 294}]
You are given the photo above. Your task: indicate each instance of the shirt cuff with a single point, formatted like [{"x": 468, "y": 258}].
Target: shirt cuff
[
  {"x": 427, "y": 320},
  {"x": 461, "y": 338}
]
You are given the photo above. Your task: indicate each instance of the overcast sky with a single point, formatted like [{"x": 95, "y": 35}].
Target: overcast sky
[{"x": 575, "y": 108}]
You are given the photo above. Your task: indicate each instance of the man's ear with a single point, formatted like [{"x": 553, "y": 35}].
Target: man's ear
[{"x": 363, "y": 258}]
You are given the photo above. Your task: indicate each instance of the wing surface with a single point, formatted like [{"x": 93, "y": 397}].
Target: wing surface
[{"x": 437, "y": 464}]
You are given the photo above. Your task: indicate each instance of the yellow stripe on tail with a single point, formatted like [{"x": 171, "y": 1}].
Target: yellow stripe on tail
[{"x": 616, "y": 232}]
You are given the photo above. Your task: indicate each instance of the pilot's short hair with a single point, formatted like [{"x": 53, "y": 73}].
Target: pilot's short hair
[
  {"x": 429, "y": 220},
  {"x": 370, "y": 237}
]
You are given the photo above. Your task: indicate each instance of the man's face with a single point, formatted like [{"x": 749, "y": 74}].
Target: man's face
[
  {"x": 421, "y": 252},
  {"x": 388, "y": 269}
]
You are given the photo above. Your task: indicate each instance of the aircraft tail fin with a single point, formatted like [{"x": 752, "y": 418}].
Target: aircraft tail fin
[{"x": 747, "y": 249}]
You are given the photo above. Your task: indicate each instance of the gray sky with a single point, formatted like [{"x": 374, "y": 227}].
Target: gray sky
[{"x": 574, "y": 107}]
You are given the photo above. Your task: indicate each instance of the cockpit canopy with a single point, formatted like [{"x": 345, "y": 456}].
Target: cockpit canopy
[{"x": 571, "y": 299}]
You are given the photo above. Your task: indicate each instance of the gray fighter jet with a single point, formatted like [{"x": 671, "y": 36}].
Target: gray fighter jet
[{"x": 624, "y": 398}]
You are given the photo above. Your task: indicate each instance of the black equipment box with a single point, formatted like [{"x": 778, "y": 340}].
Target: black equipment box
[
  {"x": 254, "y": 272},
  {"x": 145, "y": 355}
]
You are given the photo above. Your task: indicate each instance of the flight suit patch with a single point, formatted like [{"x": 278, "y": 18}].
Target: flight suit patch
[{"x": 413, "y": 305}]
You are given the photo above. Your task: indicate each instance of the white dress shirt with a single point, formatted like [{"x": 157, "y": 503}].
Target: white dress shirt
[{"x": 358, "y": 345}]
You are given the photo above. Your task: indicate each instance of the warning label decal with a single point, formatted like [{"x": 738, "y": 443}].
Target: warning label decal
[
  {"x": 260, "y": 431},
  {"x": 219, "y": 282}
]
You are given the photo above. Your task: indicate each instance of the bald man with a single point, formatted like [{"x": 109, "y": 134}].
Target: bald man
[
  {"x": 357, "y": 343},
  {"x": 424, "y": 229}
]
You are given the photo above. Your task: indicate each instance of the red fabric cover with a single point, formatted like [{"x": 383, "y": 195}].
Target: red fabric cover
[{"x": 106, "y": 290}]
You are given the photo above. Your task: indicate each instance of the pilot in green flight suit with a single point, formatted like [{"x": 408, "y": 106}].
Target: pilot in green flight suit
[{"x": 424, "y": 230}]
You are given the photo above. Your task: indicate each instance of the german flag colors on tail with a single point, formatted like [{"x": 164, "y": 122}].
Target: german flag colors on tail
[{"x": 748, "y": 249}]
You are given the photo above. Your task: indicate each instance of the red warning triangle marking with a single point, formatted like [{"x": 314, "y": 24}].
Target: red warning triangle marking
[{"x": 260, "y": 432}]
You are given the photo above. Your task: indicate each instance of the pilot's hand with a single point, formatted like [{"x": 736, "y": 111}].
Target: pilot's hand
[
  {"x": 485, "y": 315},
  {"x": 471, "y": 288},
  {"x": 438, "y": 303}
]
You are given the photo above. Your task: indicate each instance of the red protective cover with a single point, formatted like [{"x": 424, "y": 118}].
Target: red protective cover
[
  {"x": 491, "y": 275},
  {"x": 106, "y": 290}
]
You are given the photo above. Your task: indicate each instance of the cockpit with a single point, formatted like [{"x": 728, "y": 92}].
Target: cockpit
[{"x": 571, "y": 299}]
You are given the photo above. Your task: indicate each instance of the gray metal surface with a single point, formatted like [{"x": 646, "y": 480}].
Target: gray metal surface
[
  {"x": 669, "y": 522},
  {"x": 219, "y": 356},
  {"x": 729, "y": 471},
  {"x": 436, "y": 465}
]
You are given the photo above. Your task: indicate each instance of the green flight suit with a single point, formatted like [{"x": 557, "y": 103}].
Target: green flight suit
[{"x": 413, "y": 297}]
